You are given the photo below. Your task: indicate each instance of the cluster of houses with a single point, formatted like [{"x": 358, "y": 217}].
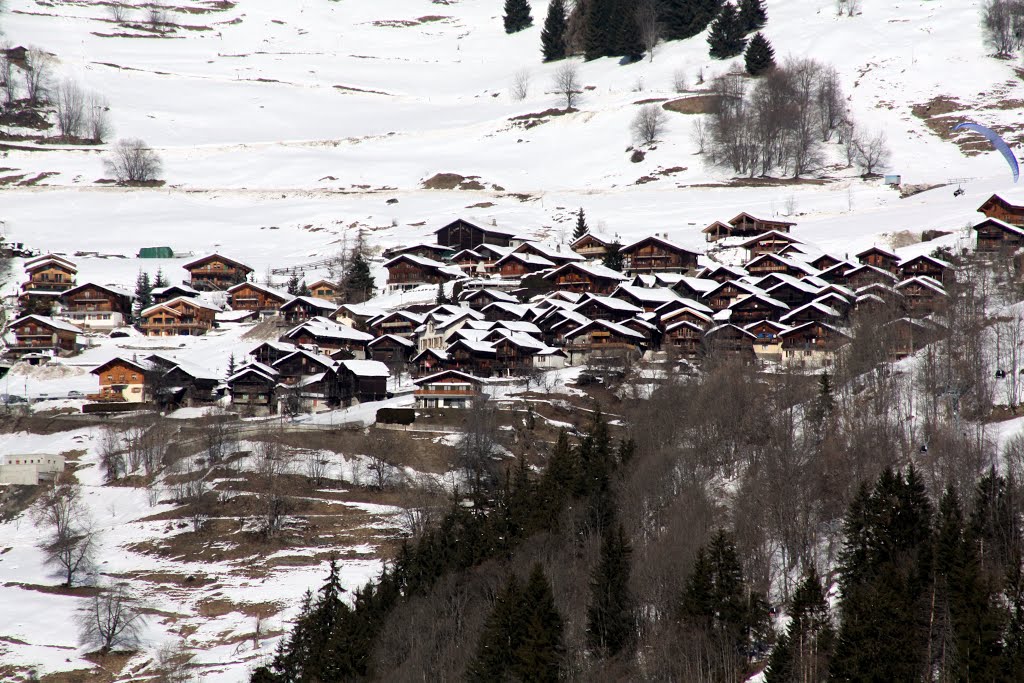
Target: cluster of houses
[{"x": 507, "y": 306}]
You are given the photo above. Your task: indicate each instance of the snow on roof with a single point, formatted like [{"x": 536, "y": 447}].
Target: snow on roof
[
  {"x": 267, "y": 372},
  {"x": 401, "y": 341},
  {"x": 203, "y": 259},
  {"x": 143, "y": 365},
  {"x": 621, "y": 330},
  {"x": 318, "y": 326},
  {"x": 517, "y": 310},
  {"x": 762, "y": 297},
  {"x": 699, "y": 284},
  {"x": 550, "y": 252},
  {"x": 418, "y": 260},
  {"x": 517, "y": 326},
  {"x": 474, "y": 345},
  {"x": 521, "y": 339},
  {"x": 657, "y": 238},
  {"x": 49, "y": 322},
  {"x": 366, "y": 368},
  {"x": 610, "y": 303},
  {"x": 453, "y": 373},
  {"x": 281, "y": 294},
  {"x": 495, "y": 294},
  {"x": 159, "y": 291},
  {"x": 361, "y": 310},
  {"x": 107, "y": 288},
  {"x": 307, "y": 380},
  {"x": 822, "y": 308},
  {"x": 659, "y": 295},
  {"x": 929, "y": 282},
  {"x": 196, "y": 371},
  {"x": 320, "y": 358},
  {"x": 925, "y": 257},
  {"x": 322, "y": 304},
  {"x": 185, "y": 299},
  {"x": 529, "y": 259},
  {"x": 592, "y": 269},
  {"x": 1001, "y": 224}
]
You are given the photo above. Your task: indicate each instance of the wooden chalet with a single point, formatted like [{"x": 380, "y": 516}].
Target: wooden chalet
[
  {"x": 42, "y": 334},
  {"x": 606, "y": 308},
  {"x": 162, "y": 295},
  {"x": 216, "y": 272},
  {"x": 767, "y": 264},
  {"x": 182, "y": 316},
  {"x": 96, "y": 307},
  {"x": 1002, "y": 210},
  {"x": 726, "y": 294},
  {"x": 767, "y": 342},
  {"x": 478, "y": 357},
  {"x": 825, "y": 261},
  {"x": 837, "y": 274},
  {"x": 601, "y": 338},
  {"x": 702, "y": 317},
  {"x": 519, "y": 265},
  {"x": 473, "y": 262},
  {"x": 407, "y": 271},
  {"x": 447, "y": 389},
  {"x": 929, "y": 266},
  {"x": 695, "y": 288},
  {"x": 49, "y": 273},
  {"x": 862, "y": 276},
  {"x": 252, "y": 296},
  {"x": 789, "y": 290},
  {"x": 879, "y": 258},
  {"x": 906, "y": 336},
  {"x": 995, "y": 236},
  {"x": 402, "y": 323},
  {"x": 123, "y": 380},
  {"x": 654, "y": 254},
  {"x": 720, "y": 273},
  {"x": 812, "y": 312},
  {"x": 500, "y": 310},
  {"x": 303, "y": 308},
  {"x": 591, "y": 246},
  {"x": 585, "y": 277},
  {"x": 269, "y": 352},
  {"x": 390, "y": 348},
  {"x": 478, "y": 299},
  {"x": 513, "y": 351},
  {"x": 922, "y": 296},
  {"x": 461, "y": 234},
  {"x": 356, "y": 316},
  {"x": 684, "y": 337},
  {"x": 252, "y": 388},
  {"x": 813, "y": 344},
  {"x": 325, "y": 289},
  {"x": 647, "y": 298},
  {"x": 729, "y": 340},
  {"x": 430, "y": 360},
  {"x": 329, "y": 337},
  {"x": 756, "y": 307},
  {"x": 771, "y": 242},
  {"x": 429, "y": 250},
  {"x": 187, "y": 385},
  {"x": 301, "y": 363},
  {"x": 360, "y": 381},
  {"x": 744, "y": 225}
]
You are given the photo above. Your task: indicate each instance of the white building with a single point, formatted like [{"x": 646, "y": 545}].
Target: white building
[{"x": 30, "y": 469}]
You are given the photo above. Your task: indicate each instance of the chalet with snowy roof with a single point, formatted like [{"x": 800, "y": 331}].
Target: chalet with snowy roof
[
  {"x": 726, "y": 294},
  {"x": 928, "y": 266},
  {"x": 836, "y": 274},
  {"x": 1002, "y": 210},
  {"x": 789, "y": 290},
  {"x": 461, "y": 234},
  {"x": 922, "y": 296},
  {"x": 252, "y": 388},
  {"x": 325, "y": 289},
  {"x": 447, "y": 389},
  {"x": 500, "y": 310},
  {"x": 813, "y": 344},
  {"x": 995, "y": 235},
  {"x": 766, "y": 264},
  {"x": 430, "y": 360},
  {"x": 269, "y": 352},
  {"x": 96, "y": 307},
  {"x": 519, "y": 265},
  {"x": 252, "y": 296},
  {"x": 767, "y": 342},
  {"x": 879, "y": 258},
  {"x": 311, "y": 393},
  {"x": 216, "y": 273},
  {"x": 602, "y": 338},
  {"x": 744, "y": 225},
  {"x": 303, "y": 308},
  {"x": 187, "y": 384},
  {"x": 554, "y": 254},
  {"x": 162, "y": 295},
  {"x": 477, "y": 357},
  {"x": 694, "y": 288},
  {"x": 862, "y": 276},
  {"x": 472, "y": 262},
  {"x": 684, "y": 337},
  {"x": 812, "y": 312},
  {"x": 906, "y": 336},
  {"x": 591, "y": 246},
  {"x": 390, "y": 348},
  {"x": 646, "y": 298},
  {"x": 478, "y": 299},
  {"x": 513, "y": 351},
  {"x": 329, "y": 337},
  {"x": 360, "y": 381},
  {"x": 825, "y": 261},
  {"x": 356, "y": 315},
  {"x": 584, "y": 278},
  {"x": 124, "y": 380},
  {"x": 720, "y": 273},
  {"x": 407, "y": 271},
  {"x": 607, "y": 308},
  {"x": 728, "y": 340},
  {"x": 701, "y": 316},
  {"x": 771, "y": 242},
  {"x": 657, "y": 254},
  {"x": 438, "y": 329},
  {"x": 428, "y": 250},
  {"x": 182, "y": 316},
  {"x": 403, "y": 323},
  {"x": 300, "y": 363},
  {"x": 49, "y": 273},
  {"x": 756, "y": 307}
]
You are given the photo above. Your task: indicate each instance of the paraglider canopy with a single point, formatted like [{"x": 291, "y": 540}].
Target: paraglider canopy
[{"x": 997, "y": 143}]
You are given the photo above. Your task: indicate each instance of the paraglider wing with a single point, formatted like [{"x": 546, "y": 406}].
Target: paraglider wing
[{"x": 997, "y": 142}]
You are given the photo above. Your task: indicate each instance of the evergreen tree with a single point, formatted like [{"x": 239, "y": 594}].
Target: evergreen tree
[
  {"x": 143, "y": 291},
  {"x": 231, "y": 364},
  {"x": 686, "y": 18},
  {"x": 627, "y": 41},
  {"x": 552, "y": 36},
  {"x": 803, "y": 652},
  {"x": 613, "y": 257},
  {"x": 293, "y": 284},
  {"x": 581, "y": 226},
  {"x": 358, "y": 284},
  {"x": 517, "y": 15},
  {"x": 539, "y": 655},
  {"x": 598, "y": 32},
  {"x": 158, "y": 279},
  {"x": 304, "y": 290},
  {"x": 503, "y": 633},
  {"x": 760, "y": 56},
  {"x": 610, "y": 619},
  {"x": 752, "y": 15},
  {"x": 725, "y": 39},
  {"x": 441, "y": 299}
]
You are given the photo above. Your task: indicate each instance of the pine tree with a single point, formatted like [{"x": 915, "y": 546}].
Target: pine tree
[
  {"x": 725, "y": 39},
  {"x": 293, "y": 284},
  {"x": 552, "y": 36},
  {"x": 358, "y": 284},
  {"x": 503, "y": 633},
  {"x": 441, "y": 299},
  {"x": 613, "y": 257},
  {"x": 304, "y": 290},
  {"x": 760, "y": 56},
  {"x": 517, "y": 15},
  {"x": 581, "y": 225},
  {"x": 539, "y": 655},
  {"x": 627, "y": 41},
  {"x": 803, "y": 652},
  {"x": 231, "y": 364},
  {"x": 683, "y": 19},
  {"x": 598, "y": 31},
  {"x": 752, "y": 15},
  {"x": 143, "y": 291},
  {"x": 158, "y": 279},
  {"x": 610, "y": 619}
]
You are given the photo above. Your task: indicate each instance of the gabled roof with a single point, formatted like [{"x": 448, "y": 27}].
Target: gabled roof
[
  {"x": 648, "y": 295},
  {"x": 312, "y": 301},
  {"x": 142, "y": 366},
  {"x": 676, "y": 312},
  {"x": 718, "y": 329},
  {"x": 415, "y": 318},
  {"x": 413, "y": 258},
  {"x": 394, "y": 338},
  {"x": 785, "y": 279},
  {"x": 519, "y": 339},
  {"x": 799, "y": 328},
  {"x": 925, "y": 257},
  {"x": 618, "y": 329},
  {"x": 706, "y": 272},
  {"x": 325, "y": 361},
  {"x": 996, "y": 199},
  {"x": 216, "y": 256},
  {"x": 516, "y": 326},
  {"x": 660, "y": 240},
  {"x": 319, "y": 326},
  {"x": 547, "y": 252},
  {"x": 46, "y": 321},
  {"x": 489, "y": 229},
  {"x": 430, "y": 246},
  {"x": 1002, "y": 225},
  {"x": 495, "y": 294},
  {"x": 195, "y": 371},
  {"x": 779, "y": 327},
  {"x": 33, "y": 263},
  {"x": 805, "y": 268},
  {"x": 878, "y": 250},
  {"x": 591, "y": 236},
  {"x": 265, "y": 371},
  {"x": 515, "y": 310},
  {"x": 609, "y": 303},
  {"x": 875, "y": 269},
  {"x": 743, "y": 214},
  {"x": 592, "y": 269},
  {"x": 365, "y": 368},
  {"x": 167, "y": 305},
  {"x": 282, "y": 295},
  {"x": 454, "y": 374},
  {"x": 528, "y": 259},
  {"x": 738, "y": 284},
  {"x": 476, "y": 346},
  {"x": 358, "y": 311},
  {"x": 771, "y": 234},
  {"x": 117, "y": 291},
  {"x": 183, "y": 288},
  {"x": 716, "y": 226},
  {"x": 764, "y": 298},
  {"x": 672, "y": 327},
  {"x": 925, "y": 281},
  {"x": 821, "y": 308}
]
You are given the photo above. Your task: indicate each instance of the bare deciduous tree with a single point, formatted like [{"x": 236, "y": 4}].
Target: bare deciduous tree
[
  {"x": 567, "y": 83},
  {"x": 97, "y": 118},
  {"x": 270, "y": 471},
  {"x": 7, "y": 80},
  {"x": 649, "y": 24},
  {"x": 316, "y": 467},
  {"x": 117, "y": 12},
  {"x": 477, "y": 449},
  {"x": 70, "y": 108},
  {"x": 1002, "y": 22},
  {"x": 520, "y": 86},
  {"x": 111, "y": 452},
  {"x": 70, "y": 545},
  {"x": 157, "y": 16},
  {"x": 112, "y": 620},
  {"x": 680, "y": 83},
  {"x": 649, "y": 124},
  {"x": 38, "y": 68},
  {"x": 133, "y": 161},
  {"x": 171, "y": 664},
  {"x": 872, "y": 152},
  {"x": 700, "y": 135}
]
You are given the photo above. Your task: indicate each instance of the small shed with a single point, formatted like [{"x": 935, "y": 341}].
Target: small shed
[{"x": 156, "y": 252}]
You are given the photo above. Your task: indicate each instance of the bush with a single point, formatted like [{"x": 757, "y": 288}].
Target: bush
[{"x": 133, "y": 161}]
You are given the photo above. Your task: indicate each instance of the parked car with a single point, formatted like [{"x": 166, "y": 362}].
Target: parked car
[{"x": 75, "y": 394}]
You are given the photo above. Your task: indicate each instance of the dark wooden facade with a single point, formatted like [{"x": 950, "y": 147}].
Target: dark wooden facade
[
  {"x": 998, "y": 208},
  {"x": 461, "y": 234},
  {"x": 657, "y": 255},
  {"x": 216, "y": 272}
]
